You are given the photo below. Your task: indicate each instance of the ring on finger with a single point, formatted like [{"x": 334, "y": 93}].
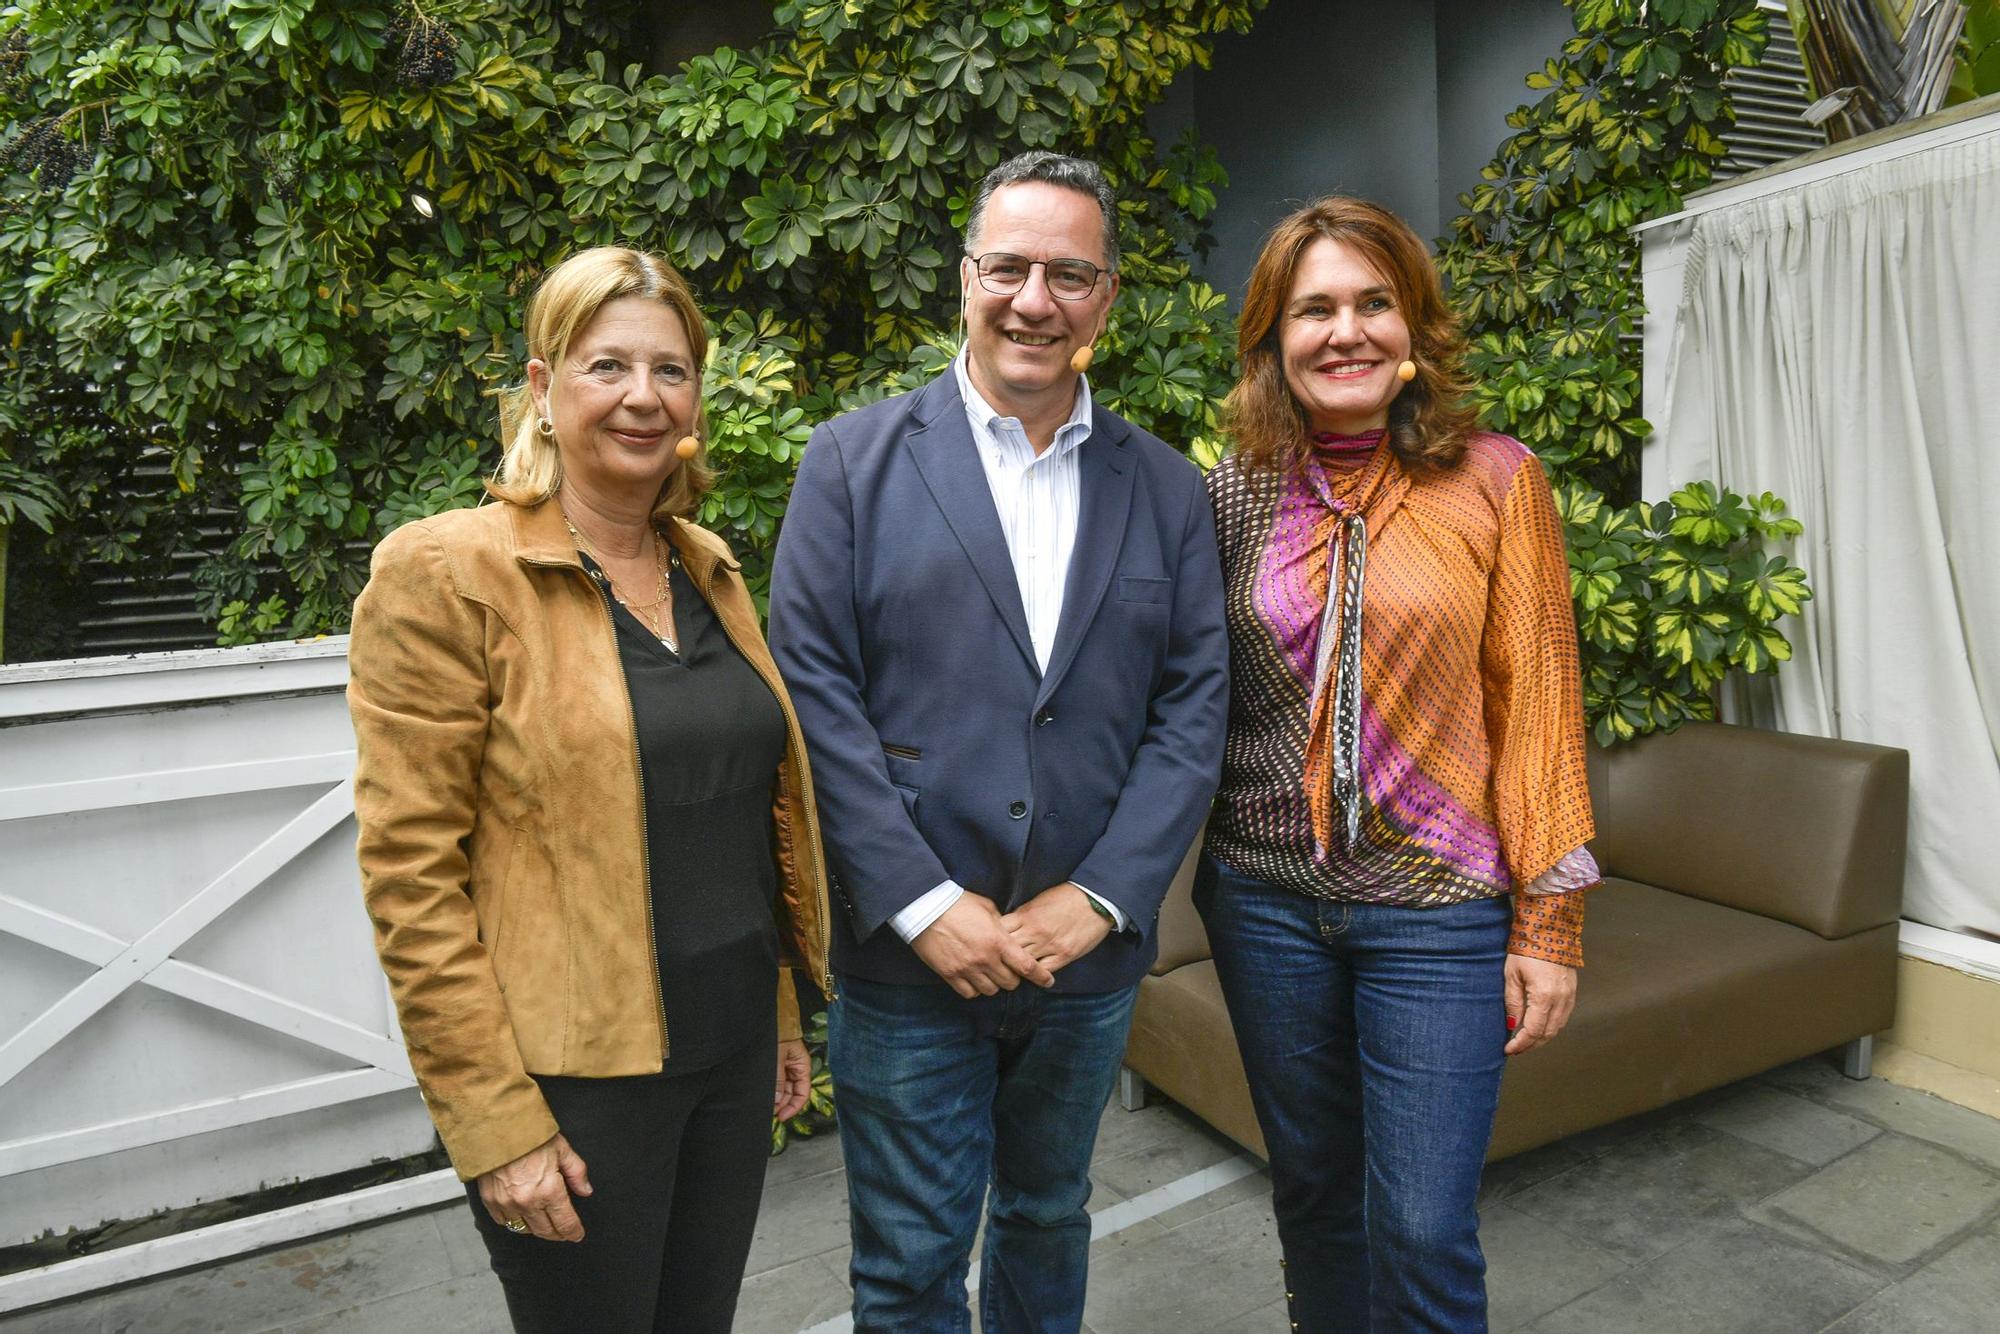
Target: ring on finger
[{"x": 516, "y": 1225}]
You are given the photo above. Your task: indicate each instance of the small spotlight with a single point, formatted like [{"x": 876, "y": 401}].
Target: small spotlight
[{"x": 423, "y": 205}]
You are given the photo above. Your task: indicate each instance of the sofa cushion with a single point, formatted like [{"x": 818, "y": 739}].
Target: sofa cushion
[
  {"x": 1182, "y": 1043},
  {"x": 1182, "y": 937},
  {"x": 1798, "y": 828},
  {"x": 1681, "y": 995}
]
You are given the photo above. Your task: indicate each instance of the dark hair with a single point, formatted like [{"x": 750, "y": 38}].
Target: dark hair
[
  {"x": 1071, "y": 173},
  {"x": 1430, "y": 419}
]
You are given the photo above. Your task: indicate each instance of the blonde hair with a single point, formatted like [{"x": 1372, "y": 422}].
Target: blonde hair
[
  {"x": 566, "y": 301},
  {"x": 1429, "y": 420}
]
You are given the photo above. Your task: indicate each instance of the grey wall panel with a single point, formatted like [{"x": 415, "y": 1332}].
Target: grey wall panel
[
  {"x": 1485, "y": 51},
  {"x": 1321, "y": 96}
]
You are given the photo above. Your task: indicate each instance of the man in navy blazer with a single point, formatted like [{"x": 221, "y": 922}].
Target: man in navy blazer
[{"x": 998, "y": 608}]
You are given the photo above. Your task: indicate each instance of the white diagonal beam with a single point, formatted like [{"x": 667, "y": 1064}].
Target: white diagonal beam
[
  {"x": 268, "y": 1010},
  {"x": 152, "y": 949},
  {"x": 204, "y": 986},
  {"x": 212, "y": 780}
]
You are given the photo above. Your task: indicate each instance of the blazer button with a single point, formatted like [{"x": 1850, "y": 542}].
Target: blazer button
[
  {"x": 1044, "y": 718},
  {"x": 1018, "y": 810}
]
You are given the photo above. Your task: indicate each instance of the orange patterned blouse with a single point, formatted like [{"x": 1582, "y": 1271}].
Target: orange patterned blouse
[{"x": 1418, "y": 738}]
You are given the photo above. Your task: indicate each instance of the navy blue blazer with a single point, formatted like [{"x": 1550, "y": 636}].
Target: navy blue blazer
[{"x": 939, "y": 749}]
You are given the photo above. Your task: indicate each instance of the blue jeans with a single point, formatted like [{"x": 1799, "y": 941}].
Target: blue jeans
[
  {"x": 1372, "y": 1036},
  {"x": 938, "y": 1096}
]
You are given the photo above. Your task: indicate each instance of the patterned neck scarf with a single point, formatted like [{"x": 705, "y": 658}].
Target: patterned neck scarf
[{"x": 1355, "y": 478}]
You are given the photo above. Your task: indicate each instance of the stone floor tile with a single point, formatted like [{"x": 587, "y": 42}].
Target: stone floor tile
[
  {"x": 464, "y": 1249},
  {"x": 1955, "y": 1293},
  {"x": 1199, "y": 1276},
  {"x": 275, "y": 1288},
  {"x": 790, "y": 1298},
  {"x": 1794, "y": 1126},
  {"x": 472, "y": 1305},
  {"x": 1168, "y": 1158},
  {"x": 1103, "y": 1194},
  {"x": 1893, "y": 1200},
  {"x": 806, "y": 1157},
  {"x": 1511, "y": 1176},
  {"x": 1809, "y": 1076},
  {"x": 1670, "y": 1195},
  {"x": 1907, "y": 1111},
  {"x": 1734, "y": 1279},
  {"x": 1256, "y": 1186},
  {"x": 1605, "y": 1139},
  {"x": 836, "y": 1262},
  {"x": 1120, "y": 1132},
  {"x": 1271, "y": 1319},
  {"x": 1531, "y": 1269},
  {"x": 1659, "y": 1190},
  {"x": 799, "y": 1218},
  {"x": 85, "y": 1316}
]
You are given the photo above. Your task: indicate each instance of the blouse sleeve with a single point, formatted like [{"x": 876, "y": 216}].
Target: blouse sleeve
[
  {"x": 1548, "y": 926},
  {"x": 417, "y": 691},
  {"x": 1534, "y": 699}
]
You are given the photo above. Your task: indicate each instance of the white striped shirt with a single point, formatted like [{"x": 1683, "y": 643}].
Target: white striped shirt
[{"x": 1039, "y": 498}]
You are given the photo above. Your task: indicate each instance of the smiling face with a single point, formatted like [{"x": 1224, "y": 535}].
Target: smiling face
[
  {"x": 621, "y": 397},
  {"x": 1342, "y": 338},
  {"x": 1018, "y": 347}
]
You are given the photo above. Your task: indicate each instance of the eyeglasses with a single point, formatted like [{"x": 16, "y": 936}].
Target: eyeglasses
[{"x": 1003, "y": 274}]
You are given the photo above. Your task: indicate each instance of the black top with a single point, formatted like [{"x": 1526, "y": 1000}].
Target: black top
[{"x": 711, "y": 737}]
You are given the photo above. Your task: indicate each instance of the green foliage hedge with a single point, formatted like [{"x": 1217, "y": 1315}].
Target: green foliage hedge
[
  {"x": 1670, "y": 596},
  {"x": 1976, "y": 72},
  {"x": 281, "y": 247},
  {"x": 277, "y": 249}
]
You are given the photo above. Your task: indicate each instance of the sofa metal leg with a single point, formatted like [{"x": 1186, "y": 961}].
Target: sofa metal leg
[
  {"x": 1131, "y": 1089},
  {"x": 1857, "y": 1058}
]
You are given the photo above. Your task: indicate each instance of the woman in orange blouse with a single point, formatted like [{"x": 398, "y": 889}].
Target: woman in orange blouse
[{"x": 1393, "y": 865}]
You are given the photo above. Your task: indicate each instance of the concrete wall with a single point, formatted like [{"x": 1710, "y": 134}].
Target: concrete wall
[
  {"x": 1485, "y": 51},
  {"x": 1399, "y": 103}
]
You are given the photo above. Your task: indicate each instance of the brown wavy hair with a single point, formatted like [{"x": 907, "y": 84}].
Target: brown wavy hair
[{"x": 1429, "y": 420}]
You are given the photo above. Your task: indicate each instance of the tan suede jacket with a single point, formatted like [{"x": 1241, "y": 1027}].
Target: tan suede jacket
[{"x": 502, "y": 843}]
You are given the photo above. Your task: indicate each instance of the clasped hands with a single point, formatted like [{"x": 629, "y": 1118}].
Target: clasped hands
[{"x": 981, "y": 951}]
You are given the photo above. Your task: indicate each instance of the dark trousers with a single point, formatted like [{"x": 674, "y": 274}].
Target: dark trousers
[
  {"x": 1372, "y": 1036},
  {"x": 676, "y": 1167},
  {"x": 941, "y": 1097}
]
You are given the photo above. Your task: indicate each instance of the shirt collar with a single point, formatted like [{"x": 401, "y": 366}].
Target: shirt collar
[{"x": 985, "y": 419}]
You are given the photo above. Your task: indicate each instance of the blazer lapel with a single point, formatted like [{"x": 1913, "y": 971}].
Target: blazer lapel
[
  {"x": 1105, "y": 472},
  {"x": 946, "y": 457}
]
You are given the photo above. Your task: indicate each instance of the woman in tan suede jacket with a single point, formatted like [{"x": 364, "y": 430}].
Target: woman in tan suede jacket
[{"x": 587, "y": 832}]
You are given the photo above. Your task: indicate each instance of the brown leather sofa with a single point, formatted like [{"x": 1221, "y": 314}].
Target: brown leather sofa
[{"x": 1753, "y": 882}]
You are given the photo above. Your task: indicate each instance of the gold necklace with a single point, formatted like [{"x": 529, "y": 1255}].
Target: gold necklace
[{"x": 657, "y": 615}]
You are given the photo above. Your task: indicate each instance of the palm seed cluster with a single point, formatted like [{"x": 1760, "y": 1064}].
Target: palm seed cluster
[{"x": 429, "y": 50}]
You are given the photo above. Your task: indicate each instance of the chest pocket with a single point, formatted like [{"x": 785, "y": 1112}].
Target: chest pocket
[{"x": 1136, "y": 588}]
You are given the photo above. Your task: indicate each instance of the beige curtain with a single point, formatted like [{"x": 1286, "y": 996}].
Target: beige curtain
[{"x": 1839, "y": 345}]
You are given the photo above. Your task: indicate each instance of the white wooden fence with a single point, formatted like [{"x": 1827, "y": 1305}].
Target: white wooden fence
[{"x": 189, "y": 1002}]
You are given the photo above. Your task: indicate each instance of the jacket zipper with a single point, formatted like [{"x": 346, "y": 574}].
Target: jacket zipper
[{"x": 645, "y": 836}]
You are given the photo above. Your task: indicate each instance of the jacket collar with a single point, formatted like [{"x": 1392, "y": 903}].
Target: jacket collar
[
  {"x": 542, "y": 538},
  {"x": 946, "y": 457}
]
